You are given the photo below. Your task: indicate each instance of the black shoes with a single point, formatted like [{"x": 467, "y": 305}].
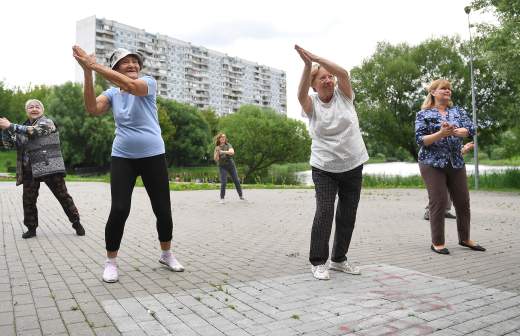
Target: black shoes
[
  {"x": 449, "y": 215},
  {"x": 80, "y": 231},
  {"x": 446, "y": 215},
  {"x": 29, "y": 234},
  {"x": 475, "y": 247},
  {"x": 441, "y": 251}
]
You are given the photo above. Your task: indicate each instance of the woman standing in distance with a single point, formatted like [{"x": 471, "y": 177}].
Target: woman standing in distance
[
  {"x": 137, "y": 150},
  {"x": 337, "y": 156},
  {"x": 223, "y": 155}
]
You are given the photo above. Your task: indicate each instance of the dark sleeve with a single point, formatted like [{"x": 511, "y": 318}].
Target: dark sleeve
[
  {"x": 466, "y": 122},
  {"x": 421, "y": 128},
  {"x": 43, "y": 127}
]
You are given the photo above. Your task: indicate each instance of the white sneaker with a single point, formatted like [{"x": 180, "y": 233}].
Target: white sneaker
[
  {"x": 345, "y": 267},
  {"x": 171, "y": 263},
  {"x": 222, "y": 201},
  {"x": 110, "y": 273},
  {"x": 320, "y": 272}
]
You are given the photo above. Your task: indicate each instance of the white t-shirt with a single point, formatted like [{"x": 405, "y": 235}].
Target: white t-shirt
[{"x": 337, "y": 144}]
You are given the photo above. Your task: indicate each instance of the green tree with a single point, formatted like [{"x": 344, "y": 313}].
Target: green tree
[
  {"x": 168, "y": 129},
  {"x": 212, "y": 119},
  {"x": 188, "y": 144},
  {"x": 6, "y": 96},
  {"x": 390, "y": 87},
  {"x": 502, "y": 41},
  {"x": 497, "y": 47},
  {"x": 263, "y": 137},
  {"x": 85, "y": 140}
]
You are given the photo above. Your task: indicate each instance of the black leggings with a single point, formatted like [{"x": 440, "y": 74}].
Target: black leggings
[{"x": 123, "y": 174}]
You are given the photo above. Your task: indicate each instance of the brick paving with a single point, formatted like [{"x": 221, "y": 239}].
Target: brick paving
[{"x": 247, "y": 271}]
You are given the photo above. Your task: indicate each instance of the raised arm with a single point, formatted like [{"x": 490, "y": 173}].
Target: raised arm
[
  {"x": 216, "y": 154},
  {"x": 137, "y": 87},
  {"x": 7, "y": 134},
  {"x": 94, "y": 106},
  {"x": 305, "y": 82},
  {"x": 341, "y": 74},
  {"x": 43, "y": 126}
]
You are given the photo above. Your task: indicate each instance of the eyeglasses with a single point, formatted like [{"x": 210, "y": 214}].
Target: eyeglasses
[{"x": 325, "y": 78}]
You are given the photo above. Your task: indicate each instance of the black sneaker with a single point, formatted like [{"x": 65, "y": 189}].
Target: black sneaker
[
  {"x": 80, "y": 231},
  {"x": 29, "y": 234},
  {"x": 450, "y": 215}
]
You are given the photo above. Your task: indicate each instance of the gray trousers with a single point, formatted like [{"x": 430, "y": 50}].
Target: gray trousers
[
  {"x": 347, "y": 186},
  {"x": 440, "y": 181}
]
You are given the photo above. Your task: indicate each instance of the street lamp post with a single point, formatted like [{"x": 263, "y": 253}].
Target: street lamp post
[{"x": 467, "y": 9}]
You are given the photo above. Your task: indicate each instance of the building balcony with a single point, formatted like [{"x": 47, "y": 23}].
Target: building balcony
[{"x": 105, "y": 31}]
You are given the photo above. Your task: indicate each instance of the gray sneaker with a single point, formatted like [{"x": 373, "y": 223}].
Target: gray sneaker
[
  {"x": 345, "y": 267},
  {"x": 320, "y": 272}
]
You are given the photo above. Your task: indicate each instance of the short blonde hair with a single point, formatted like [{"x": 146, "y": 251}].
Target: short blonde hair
[
  {"x": 314, "y": 72},
  {"x": 440, "y": 83},
  {"x": 217, "y": 138},
  {"x": 31, "y": 101}
]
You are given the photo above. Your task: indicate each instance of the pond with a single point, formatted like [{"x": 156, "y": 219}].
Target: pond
[{"x": 402, "y": 169}]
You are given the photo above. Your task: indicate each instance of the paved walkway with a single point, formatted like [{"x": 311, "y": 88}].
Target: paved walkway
[{"x": 247, "y": 271}]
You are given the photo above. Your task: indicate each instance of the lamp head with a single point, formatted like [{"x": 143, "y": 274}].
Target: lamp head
[{"x": 467, "y": 9}]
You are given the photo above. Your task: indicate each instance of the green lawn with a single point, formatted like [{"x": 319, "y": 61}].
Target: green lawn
[
  {"x": 7, "y": 158},
  {"x": 278, "y": 179}
]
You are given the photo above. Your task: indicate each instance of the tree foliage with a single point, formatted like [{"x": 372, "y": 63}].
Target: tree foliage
[
  {"x": 188, "y": 143},
  {"x": 262, "y": 137},
  {"x": 85, "y": 140},
  {"x": 212, "y": 119},
  {"x": 390, "y": 87}
]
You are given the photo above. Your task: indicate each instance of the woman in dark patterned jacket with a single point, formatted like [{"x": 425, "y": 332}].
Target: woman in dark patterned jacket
[
  {"x": 39, "y": 159},
  {"x": 439, "y": 130}
]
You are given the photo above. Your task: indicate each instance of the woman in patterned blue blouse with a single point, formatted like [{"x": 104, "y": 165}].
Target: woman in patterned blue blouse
[{"x": 439, "y": 131}]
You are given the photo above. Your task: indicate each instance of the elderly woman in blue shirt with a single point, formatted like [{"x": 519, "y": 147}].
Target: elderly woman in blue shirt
[
  {"x": 439, "y": 131},
  {"x": 137, "y": 150}
]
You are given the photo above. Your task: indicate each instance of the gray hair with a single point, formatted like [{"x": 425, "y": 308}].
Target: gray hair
[{"x": 30, "y": 101}]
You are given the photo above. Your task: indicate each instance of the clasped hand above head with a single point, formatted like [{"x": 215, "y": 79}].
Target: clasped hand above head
[
  {"x": 306, "y": 56},
  {"x": 85, "y": 60}
]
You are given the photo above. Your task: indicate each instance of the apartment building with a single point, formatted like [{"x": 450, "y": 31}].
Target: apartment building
[{"x": 185, "y": 72}]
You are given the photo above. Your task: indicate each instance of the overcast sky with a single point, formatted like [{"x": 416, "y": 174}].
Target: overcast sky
[{"x": 37, "y": 35}]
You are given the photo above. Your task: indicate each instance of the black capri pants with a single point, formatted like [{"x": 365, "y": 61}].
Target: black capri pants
[{"x": 123, "y": 175}]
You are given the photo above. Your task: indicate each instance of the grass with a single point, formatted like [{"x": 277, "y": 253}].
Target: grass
[
  {"x": 514, "y": 161},
  {"x": 382, "y": 181},
  {"x": 7, "y": 158},
  {"x": 508, "y": 180},
  {"x": 504, "y": 181}
]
